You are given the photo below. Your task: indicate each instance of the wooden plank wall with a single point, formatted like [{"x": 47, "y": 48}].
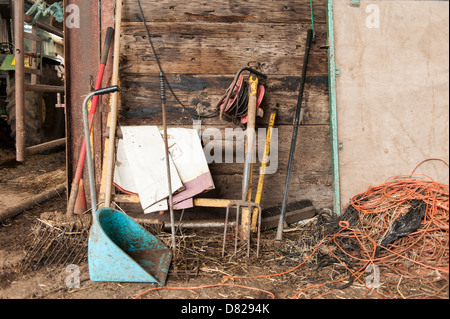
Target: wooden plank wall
[{"x": 201, "y": 46}]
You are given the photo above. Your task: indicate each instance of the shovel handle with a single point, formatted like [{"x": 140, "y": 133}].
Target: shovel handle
[{"x": 90, "y": 162}]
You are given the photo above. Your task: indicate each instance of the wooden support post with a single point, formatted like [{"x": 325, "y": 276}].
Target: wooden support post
[{"x": 19, "y": 78}]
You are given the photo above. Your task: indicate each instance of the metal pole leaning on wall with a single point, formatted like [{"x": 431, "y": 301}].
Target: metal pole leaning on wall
[
  {"x": 294, "y": 138},
  {"x": 167, "y": 156}
]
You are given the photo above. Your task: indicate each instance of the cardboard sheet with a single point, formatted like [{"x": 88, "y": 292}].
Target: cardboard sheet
[{"x": 141, "y": 167}]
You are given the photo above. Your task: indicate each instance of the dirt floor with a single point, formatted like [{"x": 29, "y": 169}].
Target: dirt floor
[{"x": 201, "y": 271}]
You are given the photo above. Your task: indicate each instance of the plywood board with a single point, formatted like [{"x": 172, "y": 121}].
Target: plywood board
[{"x": 392, "y": 91}]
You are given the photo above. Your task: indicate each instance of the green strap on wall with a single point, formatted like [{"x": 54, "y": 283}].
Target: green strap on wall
[
  {"x": 333, "y": 109},
  {"x": 312, "y": 21}
]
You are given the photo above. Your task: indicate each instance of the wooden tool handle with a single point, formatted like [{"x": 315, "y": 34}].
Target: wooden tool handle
[{"x": 114, "y": 105}]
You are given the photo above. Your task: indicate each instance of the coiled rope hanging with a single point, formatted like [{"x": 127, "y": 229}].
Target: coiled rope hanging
[{"x": 233, "y": 105}]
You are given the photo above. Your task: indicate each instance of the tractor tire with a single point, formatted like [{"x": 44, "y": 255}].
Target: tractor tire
[{"x": 43, "y": 121}]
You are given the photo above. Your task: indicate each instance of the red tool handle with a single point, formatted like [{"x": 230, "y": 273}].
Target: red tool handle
[{"x": 98, "y": 85}]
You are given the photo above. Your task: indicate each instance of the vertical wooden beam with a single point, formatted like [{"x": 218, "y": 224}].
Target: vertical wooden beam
[{"x": 19, "y": 12}]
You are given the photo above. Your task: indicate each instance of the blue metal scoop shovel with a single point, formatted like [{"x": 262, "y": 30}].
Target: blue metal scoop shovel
[{"x": 119, "y": 249}]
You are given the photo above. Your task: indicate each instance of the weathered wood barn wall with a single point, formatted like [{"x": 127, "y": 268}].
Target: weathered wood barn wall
[{"x": 201, "y": 46}]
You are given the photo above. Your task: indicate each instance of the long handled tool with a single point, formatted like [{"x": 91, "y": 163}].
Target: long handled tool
[
  {"x": 90, "y": 164},
  {"x": 294, "y": 139},
  {"x": 73, "y": 198},
  {"x": 263, "y": 171},
  {"x": 250, "y": 145},
  {"x": 114, "y": 107},
  {"x": 245, "y": 205},
  {"x": 169, "y": 177}
]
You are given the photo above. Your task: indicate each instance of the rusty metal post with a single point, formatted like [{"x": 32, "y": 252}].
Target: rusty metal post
[
  {"x": 82, "y": 60},
  {"x": 19, "y": 78}
]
